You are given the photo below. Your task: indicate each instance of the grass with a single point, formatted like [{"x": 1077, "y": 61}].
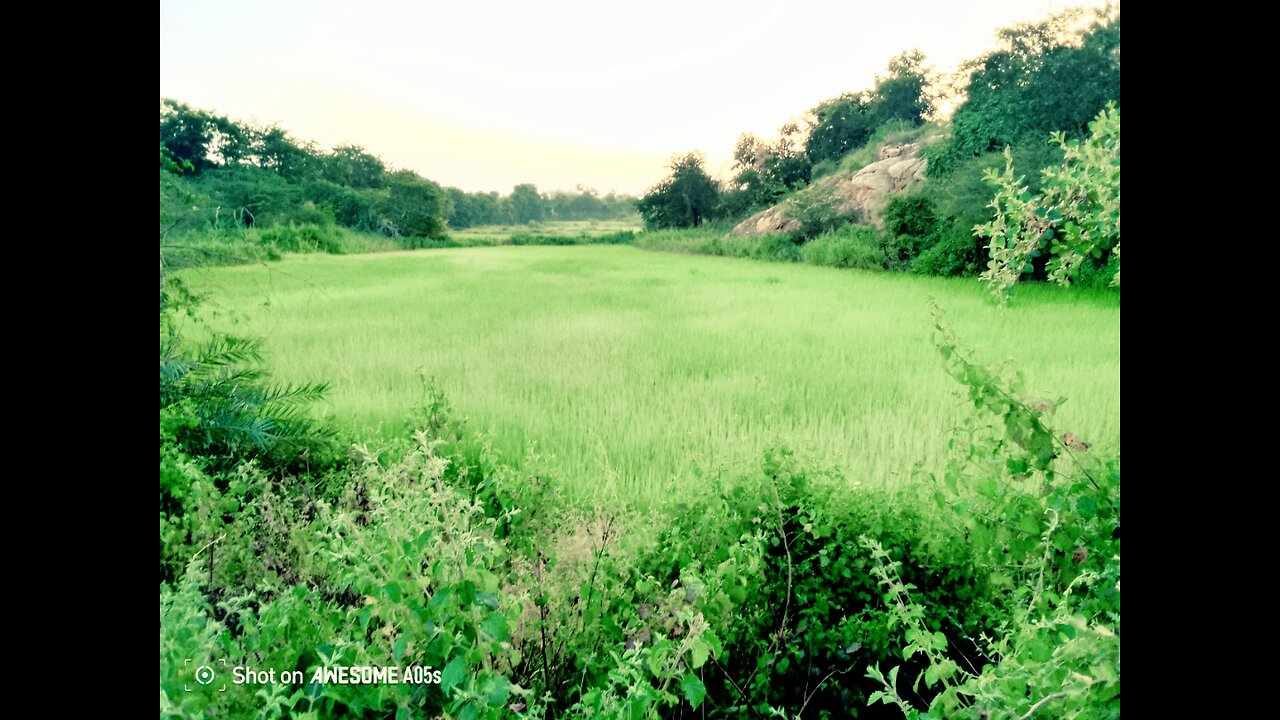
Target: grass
[
  {"x": 638, "y": 368},
  {"x": 486, "y": 235}
]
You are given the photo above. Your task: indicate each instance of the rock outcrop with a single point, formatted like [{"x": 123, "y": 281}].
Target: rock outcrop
[{"x": 860, "y": 197}]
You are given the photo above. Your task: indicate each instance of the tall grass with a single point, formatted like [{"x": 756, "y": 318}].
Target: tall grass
[{"x": 641, "y": 367}]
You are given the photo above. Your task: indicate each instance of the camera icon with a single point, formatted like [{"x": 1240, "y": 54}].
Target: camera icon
[{"x": 204, "y": 675}]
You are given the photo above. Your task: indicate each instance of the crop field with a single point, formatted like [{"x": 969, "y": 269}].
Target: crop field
[
  {"x": 632, "y": 369},
  {"x": 503, "y": 234}
]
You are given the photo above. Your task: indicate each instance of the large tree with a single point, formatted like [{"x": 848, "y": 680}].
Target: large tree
[
  {"x": 1053, "y": 75},
  {"x": 527, "y": 203},
  {"x": 687, "y": 198},
  {"x": 414, "y": 206}
]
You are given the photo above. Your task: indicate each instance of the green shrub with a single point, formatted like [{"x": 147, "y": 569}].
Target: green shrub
[
  {"x": 776, "y": 248},
  {"x": 693, "y": 241},
  {"x": 1041, "y": 513},
  {"x": 791, "y": 593},
  {"x": 815, "y": 208},
  {"x": 298, "y": 238},
  {"x": 852, "y": 246},
  {"x": 951, "y": 249},
  {"x": 909, "y": 221}
]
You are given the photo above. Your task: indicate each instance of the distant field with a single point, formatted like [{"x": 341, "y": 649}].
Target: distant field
[
  {"x": 496, "y": 234},
  {"x": 640, "y": 366}
]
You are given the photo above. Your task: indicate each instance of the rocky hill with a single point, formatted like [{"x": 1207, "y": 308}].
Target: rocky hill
[{"x": 860, "y": 197}]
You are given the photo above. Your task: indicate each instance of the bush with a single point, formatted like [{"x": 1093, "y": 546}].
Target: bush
[
  {"x": 909, "y": 222},
  {"x": 777, "y": 248},
  {"x": 951, "y": 249},
  {"x": 852, "y": 246},
  {"x": 297, "y": 238},
  {"x": 816, "y": 210}
]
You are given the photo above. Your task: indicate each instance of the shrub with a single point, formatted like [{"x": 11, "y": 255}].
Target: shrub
[
  {"x": 303, "y": 238},
  {"x": 950, "y": 249},
  {"x": 816, "y": 210},
  {"x": 1075, "y": 217},
  {"x": 852, "y": 246},
  {"x": 1042, "y": 514}
]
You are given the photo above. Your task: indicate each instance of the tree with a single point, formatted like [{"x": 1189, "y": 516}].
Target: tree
[
  {"x": 847, "y": 122},
  {"x": 685, "y": 199},
  {"x": 200, "y": 140},
  {"x": 414, "y": 206},
  {"x": 277, "y": 151},
  {"x": 767, "y": 172},
  {"x": 1054, "y": 75},
  {"x": 527, "y": 203},
  {"x": 350, "y": 165},
  {"x": 901, "y": 94},
  {"x": 840, "y": 124}
]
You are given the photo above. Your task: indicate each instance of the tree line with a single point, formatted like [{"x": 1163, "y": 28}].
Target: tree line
[{"x": 259, "y": 176}]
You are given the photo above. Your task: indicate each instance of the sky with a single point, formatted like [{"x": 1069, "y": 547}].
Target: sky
[{"x": 485, "y": 95}]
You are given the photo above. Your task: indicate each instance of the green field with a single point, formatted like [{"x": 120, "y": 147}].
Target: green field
[
  {"x": 637, "y": 367},
  {"x": 502, "y": 234}
]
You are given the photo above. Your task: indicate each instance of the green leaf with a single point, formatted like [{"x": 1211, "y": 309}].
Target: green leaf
[
  {"x": 497, "y": 690},
  {"x": 693, "y": 689},
  {"x": 699, "y": 651},
  {"x": 495, "y": 626},
  {"x": 1087, "y": 506},
  {"x": 454, "y": 673},
  {"x": 392, "y": 591}
]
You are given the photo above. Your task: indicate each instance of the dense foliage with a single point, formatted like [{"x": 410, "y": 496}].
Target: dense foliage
[
  {"x": 1048, "y": 76},
  {"x": 990, "y": 588},
  {"x": 1075, "y": 218},
  {"x": 685, "y": 199}
]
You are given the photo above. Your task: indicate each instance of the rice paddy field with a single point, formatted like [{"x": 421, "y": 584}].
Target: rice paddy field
[{"x": 634, "y": 368}]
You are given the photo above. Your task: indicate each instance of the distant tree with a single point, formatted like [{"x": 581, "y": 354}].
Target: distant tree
[
  {"x": 767, "y": 171},
  {"x": 414, "y": 206},
  {"x": 198, "y": 140},
  {"x": 247, "y": 195},
  {"x": 847, "y": 122},
  {"x": 275, "y": 150},
  {"x": 687, "y": 198},
  {"x": 840, "y": 124},
  {"x": 527, "y": 203},
  {"x": 901, "y": 94},
  {"x": 350, "y": 165}
]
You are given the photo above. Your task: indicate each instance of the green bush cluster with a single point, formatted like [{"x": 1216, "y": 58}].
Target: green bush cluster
[{"x": 852, "y": 246}]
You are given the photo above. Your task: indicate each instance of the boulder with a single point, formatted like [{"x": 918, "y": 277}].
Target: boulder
[{"x": 860, "y": 197}]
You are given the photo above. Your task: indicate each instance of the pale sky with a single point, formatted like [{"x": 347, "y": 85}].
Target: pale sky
[{"x": 485, "y": 95}]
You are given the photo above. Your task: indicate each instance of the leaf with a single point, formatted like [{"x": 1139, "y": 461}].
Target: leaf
[
  {"x": 393, "y": 591},
  {"x": 495, "y": 626},
  {"x": 497, "y": 690},
  {"x": 454, "y": 673},
  {"x": 693, "y": 689},
  {"x": 698, "y": 649}
]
